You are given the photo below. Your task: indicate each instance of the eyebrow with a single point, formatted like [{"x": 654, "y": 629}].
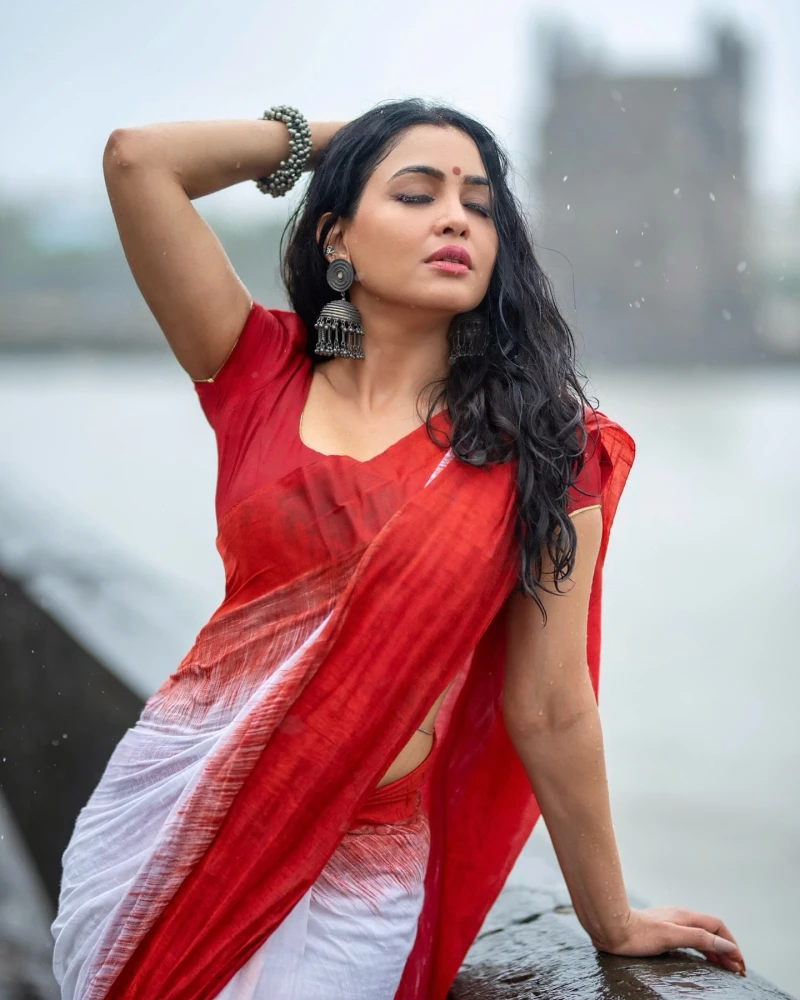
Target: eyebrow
[{"x": 420, "y": 168}]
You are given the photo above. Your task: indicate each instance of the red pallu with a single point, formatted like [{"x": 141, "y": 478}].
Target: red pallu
[{"x": 391, "y": 611}]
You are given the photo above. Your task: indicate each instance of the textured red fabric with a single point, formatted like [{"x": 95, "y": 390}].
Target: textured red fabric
[{"x": 416, "y": 579}]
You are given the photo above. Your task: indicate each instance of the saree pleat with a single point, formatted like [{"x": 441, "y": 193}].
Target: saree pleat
[{"x": 223, "y": 809}]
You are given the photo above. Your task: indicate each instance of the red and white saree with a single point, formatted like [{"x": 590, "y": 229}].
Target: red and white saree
[{"x": 236, "y": 846}]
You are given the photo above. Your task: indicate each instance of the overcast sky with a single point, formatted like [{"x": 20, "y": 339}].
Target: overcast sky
[{"x": 73, "y": 72}]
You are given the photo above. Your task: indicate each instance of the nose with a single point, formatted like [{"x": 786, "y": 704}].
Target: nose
[{"x": 454, "y": 220}]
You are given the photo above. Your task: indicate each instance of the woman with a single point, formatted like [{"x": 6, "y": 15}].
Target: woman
[{"x": 326, "y": 796}]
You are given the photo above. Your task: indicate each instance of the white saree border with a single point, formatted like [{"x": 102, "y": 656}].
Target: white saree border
[
  {"x": 134, "y": 835},
  {"x": 349, "y": 936}
]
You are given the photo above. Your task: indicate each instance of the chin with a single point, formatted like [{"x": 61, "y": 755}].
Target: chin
[{"x": 443, "y": 300}]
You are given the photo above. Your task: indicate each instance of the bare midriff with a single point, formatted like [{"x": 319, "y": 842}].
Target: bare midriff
[{"x": 417, "y": 748}]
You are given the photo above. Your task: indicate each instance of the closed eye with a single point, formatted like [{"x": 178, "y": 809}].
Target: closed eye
[{"x": 422, "y": 198}]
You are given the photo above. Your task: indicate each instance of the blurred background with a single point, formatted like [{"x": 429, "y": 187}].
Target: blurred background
[{"x": 657, "y": 154}]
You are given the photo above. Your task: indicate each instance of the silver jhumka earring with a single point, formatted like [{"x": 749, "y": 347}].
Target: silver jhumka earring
[
  {"x": 338, "y": 326},
  {"x": 468, "y": 335}
]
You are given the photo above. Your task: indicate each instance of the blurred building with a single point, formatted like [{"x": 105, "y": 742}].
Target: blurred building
[
  {"x": 645, "y": 208},
  {"x": 778, "y": 316}
]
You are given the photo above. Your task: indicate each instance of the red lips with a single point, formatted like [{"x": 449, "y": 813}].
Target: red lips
[{"x": 451, "y": 252}]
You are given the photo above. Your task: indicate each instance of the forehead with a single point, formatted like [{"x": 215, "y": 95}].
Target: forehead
[{"x": 435, "y": 146}]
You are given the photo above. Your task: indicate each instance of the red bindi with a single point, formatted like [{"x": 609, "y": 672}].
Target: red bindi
[{"x": 456, "y": 170}]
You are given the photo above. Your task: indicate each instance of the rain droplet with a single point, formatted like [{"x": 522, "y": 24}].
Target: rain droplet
[
  {"x": 711, "y": 195},
  {"x": 726, "y": 314},
  {"x": 637, "y": 263},
  {"x": 676, "y": 192},
  {"x": 565, "y": 177},
  {"x": 741, "y": 266}
]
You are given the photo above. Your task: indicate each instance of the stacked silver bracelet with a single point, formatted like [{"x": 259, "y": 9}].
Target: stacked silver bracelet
[{"x": 288, "y": 173}]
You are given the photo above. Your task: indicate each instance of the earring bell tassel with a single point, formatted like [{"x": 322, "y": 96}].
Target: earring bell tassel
[{"x": 339, "y": 332}]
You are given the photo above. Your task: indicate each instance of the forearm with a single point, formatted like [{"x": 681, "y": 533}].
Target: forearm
[
  {"x": 566, "y": 768},
  {"x": 207, "y": 156}
]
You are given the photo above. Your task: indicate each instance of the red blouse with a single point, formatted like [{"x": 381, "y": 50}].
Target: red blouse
[{"x": 255, "y": 401}]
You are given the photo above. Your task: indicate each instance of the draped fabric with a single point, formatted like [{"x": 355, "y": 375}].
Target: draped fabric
[{"x": 355, "y": 592}]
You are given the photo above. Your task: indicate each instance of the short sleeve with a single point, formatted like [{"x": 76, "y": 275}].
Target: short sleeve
[
  {"x": 586, "y": 491},
  {"x": 269, "y": 344}
]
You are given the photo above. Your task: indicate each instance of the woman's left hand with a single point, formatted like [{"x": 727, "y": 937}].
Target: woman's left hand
[{"x": 661, "y": 928}]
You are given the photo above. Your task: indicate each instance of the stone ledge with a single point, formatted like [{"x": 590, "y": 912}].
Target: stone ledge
[{"x": 532, "y": 946}]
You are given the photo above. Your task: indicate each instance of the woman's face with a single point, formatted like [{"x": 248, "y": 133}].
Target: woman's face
[{"x": 406, "y": 214}]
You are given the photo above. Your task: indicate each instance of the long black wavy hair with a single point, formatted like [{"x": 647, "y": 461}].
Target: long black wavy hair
[{"x": 522, "y": 399}]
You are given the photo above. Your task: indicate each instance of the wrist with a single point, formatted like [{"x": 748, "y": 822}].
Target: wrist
[{"x": 609, "y": 938}]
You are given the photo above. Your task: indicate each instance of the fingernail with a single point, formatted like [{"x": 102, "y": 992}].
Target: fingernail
[{"x": 723, "y": 946}]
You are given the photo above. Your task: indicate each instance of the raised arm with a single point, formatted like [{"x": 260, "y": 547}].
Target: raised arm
[
  {"x": 552, "y": 719},
  {"x": 152, "y": 174}
]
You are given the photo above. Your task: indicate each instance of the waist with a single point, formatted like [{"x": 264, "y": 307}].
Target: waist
[{"x": 399, "y": 799}]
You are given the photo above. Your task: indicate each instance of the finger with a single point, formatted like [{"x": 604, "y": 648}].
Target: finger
[
  {"x": 724, "y": 962},
  {"x": 690, "y": 918},
  {"x": 682, "y": 936}
]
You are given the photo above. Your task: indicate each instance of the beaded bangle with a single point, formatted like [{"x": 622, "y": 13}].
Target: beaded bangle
[{"x": 288, "y": 172}]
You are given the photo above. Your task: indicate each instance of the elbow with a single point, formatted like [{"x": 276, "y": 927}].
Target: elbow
[
  {"x": 525, "y": 722},
  {"x": 120, "y": 150}
]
